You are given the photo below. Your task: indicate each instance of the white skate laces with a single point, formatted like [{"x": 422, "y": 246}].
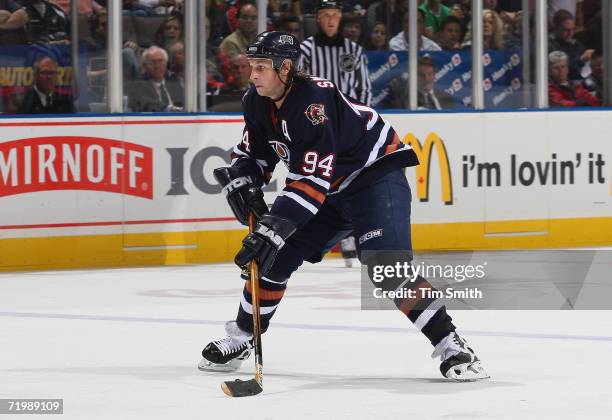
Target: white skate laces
[
  {"x": 235, "y": 339},
  {"x": 459, "y": 362},
  {"x": 227, "y": 354},
  {"x": 451, "y": 345}
]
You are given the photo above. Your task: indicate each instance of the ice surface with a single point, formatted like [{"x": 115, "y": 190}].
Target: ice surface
[{"x": 124, "y": 344}]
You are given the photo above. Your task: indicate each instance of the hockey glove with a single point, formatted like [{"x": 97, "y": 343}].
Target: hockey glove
[
  {"x": 264, "y": 243},
  {"x": 241, "y": 194}
]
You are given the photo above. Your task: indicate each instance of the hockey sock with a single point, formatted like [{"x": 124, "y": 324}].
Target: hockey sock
[
  {"x": 270, "y": 295},
  {"x": 426, "y": 313}
]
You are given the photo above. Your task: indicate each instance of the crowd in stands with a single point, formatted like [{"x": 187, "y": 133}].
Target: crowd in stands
[{"x": 153, "y": 44}]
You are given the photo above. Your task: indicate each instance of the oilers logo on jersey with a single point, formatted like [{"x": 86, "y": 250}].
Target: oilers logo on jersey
[{"x": 281, "y": 150}]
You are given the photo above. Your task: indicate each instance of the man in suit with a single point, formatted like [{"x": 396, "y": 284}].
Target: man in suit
[
  {"x": 42, "y": 97},
  {"x": 156, "y": 92},
  {"x": 428, "y": 96}
]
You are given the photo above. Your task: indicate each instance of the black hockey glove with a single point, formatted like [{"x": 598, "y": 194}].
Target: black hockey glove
[
  {"x": 264, "y": 243},
  {"x": 241, "y": 193}
]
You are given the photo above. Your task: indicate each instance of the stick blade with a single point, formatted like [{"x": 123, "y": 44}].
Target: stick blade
[{"x": 240, "y": 388}]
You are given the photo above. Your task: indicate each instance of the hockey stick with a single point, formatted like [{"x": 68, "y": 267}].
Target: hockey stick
[{"x": 253, "y": 386}]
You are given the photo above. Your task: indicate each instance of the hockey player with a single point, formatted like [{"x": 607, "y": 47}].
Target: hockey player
[
  {"x": 345, "y": 175},
  {"x": 329, "y": 55}
]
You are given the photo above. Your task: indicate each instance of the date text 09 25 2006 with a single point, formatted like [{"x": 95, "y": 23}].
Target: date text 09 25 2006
[{"x": 31, "y": 406}]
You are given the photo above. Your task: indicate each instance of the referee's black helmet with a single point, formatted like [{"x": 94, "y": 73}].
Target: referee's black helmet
[
  {"x": 329, "y": 4},
  {"x": 277, "y": 46}
]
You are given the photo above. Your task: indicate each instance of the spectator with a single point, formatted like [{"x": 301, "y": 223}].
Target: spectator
[
  {"x": 435, "y": 12},
  {"x": 510, "y": 11},
  {"x": 177, "y": 63},
  {"x": 451, "y": 34},
  {"x": 47, "y": 23},
  {"x": 96, "y": 47},
  {"x": 595, "y": 82},
  {"x": 13, "y": 19},
  {"x": 388, "y": 11},
  {"x": 133, "y": 8},
  {"x": 572, "y": 6},
  {"x": 155, "y": 93},
  {"x": 161, "y": 7},
  {"x": 400, "y": 41},
  {"x": 428, "y": 96},
  {"x": 241, "y": 72},
  {"x": 42, "y": 97},
  {"x": 563, "y": 39},
  {"x": 290, "y": 23},
  {"x": 492, "y": 32},
  {"x": 562, "y": 92},
  {"x": 379, "y": 38},
  {"x": 246, "y": 30},
  {"x": 216, "y": 13},
  {"x": 289, "y": 7},
  {"x": 329, "y": 55},
  {"x": 459, "y": 11},
  {"x": 352, "y": 27},
  {"x": 84, "y": 7},
  {"x": 169, "y": 32}
]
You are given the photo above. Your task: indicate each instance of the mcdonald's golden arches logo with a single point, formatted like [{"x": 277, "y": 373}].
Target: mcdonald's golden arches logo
[{"x": 424, "y": 153}]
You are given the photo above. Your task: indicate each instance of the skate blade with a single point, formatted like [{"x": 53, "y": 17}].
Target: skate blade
[
  {"x": 467, "y": 372},
  {"x": 208, "y": 366}
]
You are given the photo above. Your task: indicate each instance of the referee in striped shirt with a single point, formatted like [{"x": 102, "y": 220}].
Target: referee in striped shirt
[{"x": 329, "y": 55}]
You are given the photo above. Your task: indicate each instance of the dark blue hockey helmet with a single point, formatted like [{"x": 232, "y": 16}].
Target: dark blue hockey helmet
[
  {"x": 277, "y": 46},
  {"x": 330, "y": 4}
]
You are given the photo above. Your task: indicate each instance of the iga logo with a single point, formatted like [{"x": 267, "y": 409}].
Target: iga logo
[
  {"x": 456, "y": 60},
  {"x": 316, "y": 114},
  {"x": 75, "y": 163},
  {"x": 516, "y": 83}
]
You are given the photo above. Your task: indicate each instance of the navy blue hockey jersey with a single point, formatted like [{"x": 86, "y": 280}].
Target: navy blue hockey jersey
[{"x": 329, "y": 143}]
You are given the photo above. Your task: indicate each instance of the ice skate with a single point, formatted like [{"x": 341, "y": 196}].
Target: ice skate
[
  {"x": 227, "y": 355},
  {"x": 459, "y": 362}
]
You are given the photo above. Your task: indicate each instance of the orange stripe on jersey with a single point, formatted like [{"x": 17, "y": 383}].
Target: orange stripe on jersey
[
  {"x": 308, "y": 190},
  {"x": 265, "y": 294},
  {"x": 409, "y": 304},
  {"x": 391, "y": 148},
  {"x": 337, "y": 182}
]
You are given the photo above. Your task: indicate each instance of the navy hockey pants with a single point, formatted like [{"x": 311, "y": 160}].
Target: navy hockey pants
[{"x": 378, "y": 215}]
